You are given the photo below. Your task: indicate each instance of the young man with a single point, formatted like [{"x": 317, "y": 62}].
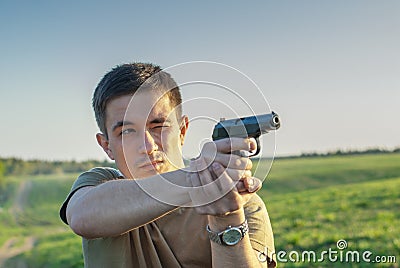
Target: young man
[{"x": 152, "y": 212}]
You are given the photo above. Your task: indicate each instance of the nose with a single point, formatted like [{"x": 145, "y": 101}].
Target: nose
[{"x": 149, "y": 145}]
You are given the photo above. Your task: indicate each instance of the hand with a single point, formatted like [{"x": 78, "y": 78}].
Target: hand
[
  {"x": 238, "y": 167},
  {"x": 220, "y": 151},
  {"x": 216, "y": 192}
]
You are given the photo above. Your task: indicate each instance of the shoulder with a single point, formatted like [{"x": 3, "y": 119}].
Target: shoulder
[
  {"x": 96, "y": 176},
  {"x": 106, "y": 173}
]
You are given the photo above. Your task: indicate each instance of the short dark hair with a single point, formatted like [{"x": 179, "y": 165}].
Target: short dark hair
[{"x": 126, "y": 79}]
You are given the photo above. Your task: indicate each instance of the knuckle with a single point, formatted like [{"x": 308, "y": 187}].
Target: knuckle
[{"x": 237, "y": 163}]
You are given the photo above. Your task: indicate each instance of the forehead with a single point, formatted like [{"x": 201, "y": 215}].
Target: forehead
[{"x": 138, "y": 107}]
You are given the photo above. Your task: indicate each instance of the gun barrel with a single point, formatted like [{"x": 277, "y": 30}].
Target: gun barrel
[
  {"x": 252, "y": 126},
  {"x": 268, "y": 122}
]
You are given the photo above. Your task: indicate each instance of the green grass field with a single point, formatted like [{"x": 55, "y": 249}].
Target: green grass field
[
  {"x": 312, "y": 202},
  {"x": 32, "y": 212}
]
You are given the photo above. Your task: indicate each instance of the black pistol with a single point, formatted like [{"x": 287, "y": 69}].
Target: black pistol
[{"x": 247, "y": 127}]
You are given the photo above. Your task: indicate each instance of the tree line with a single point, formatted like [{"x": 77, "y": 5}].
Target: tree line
[
  {"x": 17, "y": 167},
  {"x": 341, "y": 152}
]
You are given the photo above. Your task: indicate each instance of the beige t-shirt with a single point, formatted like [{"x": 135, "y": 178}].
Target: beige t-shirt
[{"x": 178, "y": 239}]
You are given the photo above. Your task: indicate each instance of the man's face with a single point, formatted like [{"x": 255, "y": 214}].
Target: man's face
[{"x": 144, "y": 135}]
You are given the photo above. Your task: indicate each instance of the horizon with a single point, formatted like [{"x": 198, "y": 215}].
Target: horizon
[{"x": 334, "y": 152}]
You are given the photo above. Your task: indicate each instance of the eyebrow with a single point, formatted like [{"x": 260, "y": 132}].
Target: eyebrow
[
  {"x": 160, "y": 120},
  {"x": 154, "y": 121},
  {"x": 121, "y": 124}
]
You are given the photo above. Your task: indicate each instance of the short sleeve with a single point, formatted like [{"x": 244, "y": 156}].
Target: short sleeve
[
  {"x": 93, "y": 177},
  {"x": 260, "y": 229}
]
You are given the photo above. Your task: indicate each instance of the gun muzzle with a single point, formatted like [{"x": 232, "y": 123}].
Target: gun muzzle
[{"x": 268, "y": 122}]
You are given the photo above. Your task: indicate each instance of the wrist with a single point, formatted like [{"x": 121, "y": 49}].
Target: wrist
[
  {"x": 232, "y": 219},
  {"x": 230, "y": 235}
]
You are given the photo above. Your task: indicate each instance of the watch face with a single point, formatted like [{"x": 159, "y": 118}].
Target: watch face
[{"x": 232, "y": 236}]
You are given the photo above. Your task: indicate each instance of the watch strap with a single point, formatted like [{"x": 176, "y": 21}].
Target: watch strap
[
  {"x": 217, "y": 236},
  {"x": 214, "y": 236}
]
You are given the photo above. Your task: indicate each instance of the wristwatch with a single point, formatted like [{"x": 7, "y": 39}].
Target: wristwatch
[{"x": 230, "y": 236}]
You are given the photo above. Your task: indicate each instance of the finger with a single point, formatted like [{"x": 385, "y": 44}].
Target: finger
[
  {"x": 194, "y": 178},
  {"x": 237, "y": 174},
  {"x": 200, "y": 164},
  {"x": 231, "y": 161},
  {"x": 196, "y": 193},
  {"x": 234, "y": 144},
  {"x": 224, "y": 182},
  {"x": 240, "y": 187},
  {"x": 205, "y": 189},
  {"x": 252, "y": 184},
  {"x": 204, "y": 174}
]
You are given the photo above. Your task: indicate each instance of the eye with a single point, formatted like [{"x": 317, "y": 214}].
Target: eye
[
  {"x": 160, "y": 126},
  {"x": 127, "y": 131}
]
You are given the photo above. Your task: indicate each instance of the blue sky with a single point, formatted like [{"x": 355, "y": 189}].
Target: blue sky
[{"x": 329, "y": 68}]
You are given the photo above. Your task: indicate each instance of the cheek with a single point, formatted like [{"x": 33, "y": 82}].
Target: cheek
[
  {"x": 123, "y": 148},
  {"x": 170, "y": 140},
  {"x": 124, "y": 155},
  {"x": 129, "y": 148}
]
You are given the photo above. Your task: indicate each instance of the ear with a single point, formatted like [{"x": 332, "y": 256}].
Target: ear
[
  {"x": 183, "y": 128},
  {"x": 103, "y": 142}
]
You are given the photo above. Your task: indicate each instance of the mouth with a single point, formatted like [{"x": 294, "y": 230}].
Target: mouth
[{"x": 155, "y": 164}]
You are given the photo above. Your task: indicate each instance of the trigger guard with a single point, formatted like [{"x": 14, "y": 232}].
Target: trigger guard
[{"x": 258, "y": 147}]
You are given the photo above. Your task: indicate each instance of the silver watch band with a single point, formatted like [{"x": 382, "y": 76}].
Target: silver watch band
[{"x": 217, "y": 236}]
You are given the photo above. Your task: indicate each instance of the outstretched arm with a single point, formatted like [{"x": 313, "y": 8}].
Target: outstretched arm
[{"x": 118, "y": 206}]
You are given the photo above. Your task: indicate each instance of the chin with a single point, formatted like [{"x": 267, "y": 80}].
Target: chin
[{"x": 148, "y": 173}]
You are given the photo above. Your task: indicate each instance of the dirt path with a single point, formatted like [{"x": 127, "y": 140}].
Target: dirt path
[
  {"x": 13, "y": 246},
  {"x": 21, "y": 198}
]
